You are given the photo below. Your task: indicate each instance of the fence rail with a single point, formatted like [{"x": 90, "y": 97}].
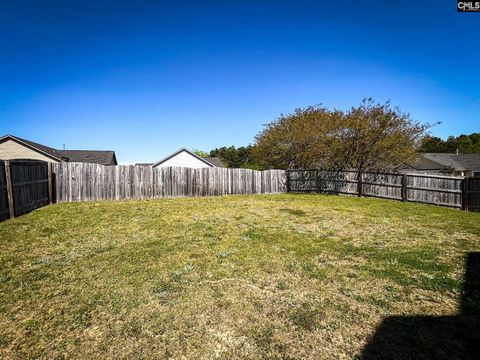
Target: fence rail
[
  {"x": 421, "y": 188},
  {"x": 90, "y": 182}
]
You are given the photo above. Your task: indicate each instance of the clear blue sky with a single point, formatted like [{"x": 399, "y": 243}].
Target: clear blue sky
[{"x": 146, "y": 77}]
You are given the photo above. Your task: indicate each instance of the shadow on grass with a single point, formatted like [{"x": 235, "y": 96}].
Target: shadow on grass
[
  {"x": 434, "y": 337},
  {"x": 294, "y": 212}
]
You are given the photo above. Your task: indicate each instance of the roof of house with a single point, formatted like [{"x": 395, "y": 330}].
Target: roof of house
[
  {"x": 143, "y": 164},
  {"x": 104, "y": 157},
  {"x": 189, "y": 152},
  {"x": 458, "y": 161},
  {"x": 212, "y": 160},
  {"x": 215, "y": 161}
]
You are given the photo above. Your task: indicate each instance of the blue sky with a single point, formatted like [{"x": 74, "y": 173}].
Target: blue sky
[{"x": 146, "y": 77}]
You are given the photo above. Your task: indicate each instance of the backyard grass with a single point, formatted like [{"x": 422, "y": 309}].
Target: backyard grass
[{"x": 273, "y": 276}]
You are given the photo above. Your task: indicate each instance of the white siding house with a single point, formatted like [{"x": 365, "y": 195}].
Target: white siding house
[{"x": 184, "y": 158}]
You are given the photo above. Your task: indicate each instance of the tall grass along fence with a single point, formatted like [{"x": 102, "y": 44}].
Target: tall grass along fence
[
  {"x": 24, "y": 186},
  {"x": 89, "y": 182},
  {"x": 457, "y": 192}
]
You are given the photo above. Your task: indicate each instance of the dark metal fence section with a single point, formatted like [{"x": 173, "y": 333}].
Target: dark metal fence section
[
  {"x": 4, "y": 209},
  {"x": 427, "y": 189},
  {"x": 25, "y": 185},
  {"x": 29, "y": 185},
  {"x": 471, "y": 194}
]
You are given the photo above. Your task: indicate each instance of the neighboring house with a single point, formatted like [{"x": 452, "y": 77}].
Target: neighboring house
[
  {"x": 460, "y": 164},
  {"x": 13, "y": 147},
  {"x": 185, "y": 158}
]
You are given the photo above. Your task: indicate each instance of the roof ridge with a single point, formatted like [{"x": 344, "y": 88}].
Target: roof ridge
[
  {"x": 86, "y": 150},
  {"x": 178, "y": 152}
]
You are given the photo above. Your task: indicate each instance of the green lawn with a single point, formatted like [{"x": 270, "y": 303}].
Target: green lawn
[{"x": 270, "y": 276}]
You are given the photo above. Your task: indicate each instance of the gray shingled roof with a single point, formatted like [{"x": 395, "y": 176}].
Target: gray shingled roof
[
  {"x": 215, "y": 161},
  {"x": 103, "y": 157},
  {"x": 143, "y": 164},
  {"x": 46, "y": 149},
  {"x": 459, "y": 162}
]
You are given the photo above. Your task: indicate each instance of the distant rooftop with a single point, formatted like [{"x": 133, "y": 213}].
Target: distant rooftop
[
  {"x": 458, "y": 161},
  {"x": 215, "y": 161}
]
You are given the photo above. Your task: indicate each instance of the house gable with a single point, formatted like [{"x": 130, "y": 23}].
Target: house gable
[
  {"x": 183, "y": 158},
  {"x": 12, "y": 148}
]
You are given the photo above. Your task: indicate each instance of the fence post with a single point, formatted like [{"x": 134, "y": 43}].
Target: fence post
[
  {"x": 360, "y": 184},
  {"x": 287, "y": 173},
  {"x": 8, "y": 177},
  {"x": 404, "y": 187},
  {"x": 50, "y": 188},
  {"x": 465, "y": 194}
]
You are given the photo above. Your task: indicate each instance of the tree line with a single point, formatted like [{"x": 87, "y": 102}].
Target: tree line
[
  {"x": 465, "y": 144},
  {"x": 369, "y": 137}
]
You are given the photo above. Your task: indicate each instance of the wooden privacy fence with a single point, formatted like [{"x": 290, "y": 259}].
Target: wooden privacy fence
[
  {"x": 428, "y": 189},
  {"x": 90, "y": 182},
  {"x": 25, "y": 185}
]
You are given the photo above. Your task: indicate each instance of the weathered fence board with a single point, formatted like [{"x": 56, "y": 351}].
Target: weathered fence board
[
  {"x": 432, "y": 189},
  {"x": 428, "y": 189},
  {"x": 322, "y": 181},
  {"x": 388, "y": 186},
  {"x": 90, "y": 182}
]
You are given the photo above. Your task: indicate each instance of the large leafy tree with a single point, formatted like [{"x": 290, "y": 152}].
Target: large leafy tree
[
  {"x": 371, "y": 136},
  {"x": 303, "y": 139}
]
